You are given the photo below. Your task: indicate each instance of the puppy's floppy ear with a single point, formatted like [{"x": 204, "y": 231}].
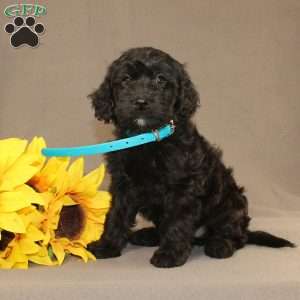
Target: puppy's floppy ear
[
  {"x": 188, "y": 98},
  {"x": 102, "y": 100}
]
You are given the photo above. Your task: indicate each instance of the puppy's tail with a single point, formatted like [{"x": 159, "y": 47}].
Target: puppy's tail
[
  {"x": 263, "y": 238},
  {"x": 260, "y": 238}
]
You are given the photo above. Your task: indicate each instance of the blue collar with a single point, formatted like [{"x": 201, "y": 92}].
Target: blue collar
[{"x": 141, "y": 139}]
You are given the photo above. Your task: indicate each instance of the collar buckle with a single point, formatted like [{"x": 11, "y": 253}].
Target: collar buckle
[
  {"x": 156, "y": 134},
  {"x": 156, "y": 131},
  {"x": 172, "y": 124}
]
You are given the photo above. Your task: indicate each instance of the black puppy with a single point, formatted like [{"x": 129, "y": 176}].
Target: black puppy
[{"x": 179, "y": 183}]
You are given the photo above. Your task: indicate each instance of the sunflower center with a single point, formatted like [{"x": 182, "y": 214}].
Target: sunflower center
[
  {"x": 6, "y": 238},
  {"x": 71, "y": 222}
]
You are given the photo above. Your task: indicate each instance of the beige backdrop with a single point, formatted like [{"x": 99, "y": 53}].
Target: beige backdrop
[{"x": 243, "y": 56}]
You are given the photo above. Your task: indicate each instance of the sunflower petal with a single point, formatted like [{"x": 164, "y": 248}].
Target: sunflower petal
[
  {"x": 97, "y": 217},
  {"x": 36, "y": 146},
  {"x": 47, "y": 238},
  {"x": 31, "y": 194},
  {"x": 78, "y": 251},
  {"x": 90, "y": 182},
  {"x": 101, "y": 200},
  {"x": 12, "y": 222},
  {"x": 17, "y": 255},
  {"x": 48, "y": 197},
  {"x": 91, "y": 255},
  {"x": 10, "y": 150},
  {"x": 55, "y": 167},
  {"x": 92, "y": 232},
  {"x": 41, "y": 257},
  {"x": 58, "y": 251},
  {"x": 54, "y": 164},
  {"x": 27, "y": 246},
  {"x": 68, "y": 201},
  {"x": 61, "y": 183},
  {"x": 21, "y": 265},
  {"x": 30, "y": 215},
  {"x": 56, "y": 207},
  {"x": 13, "y": 201},
  {"x": 34, "y": 234},
  {"x": 5, "y": 264},
  {"x": 51, "y": 172},
  {"x": 75, "y": 172},
  {"x": 20, "y": 172},
  {"x": 97, "y": 175}
]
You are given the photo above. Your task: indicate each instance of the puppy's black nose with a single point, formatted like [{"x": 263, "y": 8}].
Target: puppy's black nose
[{"x": 141, "y": 103}]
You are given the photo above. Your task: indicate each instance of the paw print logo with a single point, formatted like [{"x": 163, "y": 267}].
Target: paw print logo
[{"x": 24, "y": 31}]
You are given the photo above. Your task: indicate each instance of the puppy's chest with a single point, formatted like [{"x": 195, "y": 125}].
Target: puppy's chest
[
  {"x": 144, "y": 170},
  {"x": 152, "y": 167},
  {"x": 149, "y": 179}
]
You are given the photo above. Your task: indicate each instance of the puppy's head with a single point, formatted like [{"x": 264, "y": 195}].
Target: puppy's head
[{"x": 144, "y": 89}]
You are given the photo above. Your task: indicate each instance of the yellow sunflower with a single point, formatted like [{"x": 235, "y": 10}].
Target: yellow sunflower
[
  {"x": 19, "y": 233},
  {"x": 74, "y": 209},
  {"x": 47, "y": 210},
  {"x": 17, "y": 166}
]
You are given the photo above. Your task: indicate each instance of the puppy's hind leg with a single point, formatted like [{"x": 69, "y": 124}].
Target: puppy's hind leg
[
  {"x": 218, "y": 247},
  {"x": 224, "y": 239}
]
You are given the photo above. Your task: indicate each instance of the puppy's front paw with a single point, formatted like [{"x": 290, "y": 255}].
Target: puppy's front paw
[
  {"x": 219, "y": 248},
  {"x": 103, "y": 250},
  {"x": 168, "y": 258}
]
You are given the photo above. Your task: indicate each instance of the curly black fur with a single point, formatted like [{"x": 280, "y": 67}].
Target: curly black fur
[{"x": 180, "y": 183}]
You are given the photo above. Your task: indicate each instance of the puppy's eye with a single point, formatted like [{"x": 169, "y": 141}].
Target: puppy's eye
[
  {"x": 126, "y": 78},
  {"x": 160, "y": 79}
]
